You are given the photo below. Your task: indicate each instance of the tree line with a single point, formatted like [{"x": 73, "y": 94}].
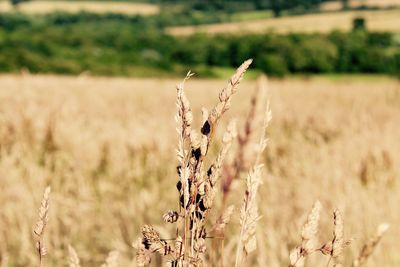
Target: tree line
[
  {"x": 277, "y": 6},
  {"x": 71, "y": 44}
]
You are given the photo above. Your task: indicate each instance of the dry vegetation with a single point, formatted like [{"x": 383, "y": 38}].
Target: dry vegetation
[
  {"x": 374, "y": 3},
  {"x": 39, "y": 7},
  {"x": 337, "y": 5},
  {"x": 382, "y": 20},
  {"x": 106, "y": 146}
]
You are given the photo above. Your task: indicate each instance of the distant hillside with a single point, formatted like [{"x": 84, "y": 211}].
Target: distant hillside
[
  {"x": 382, "y": 20},
  {"x": 337, "y": 5},
  {"x": 229, "y": 6},
  {"x": 36, "y": 7}
]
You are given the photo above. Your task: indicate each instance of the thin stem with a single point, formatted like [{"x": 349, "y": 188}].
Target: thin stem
[
  {"x": 239, "y": 249},
  {"x": 329, "y": 261},
  {"x": 185, "y": 238},
  {"x": 222, "y": 251}
]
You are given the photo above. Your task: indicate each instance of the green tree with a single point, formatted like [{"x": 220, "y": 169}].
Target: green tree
[
  {"x": 359, "y": 24},
  {"x": 273, "y": 64},
  {"x": 345, "y": 4},
  {"x": 17, "y": 2},
  {"x": 320, "y": 54}
]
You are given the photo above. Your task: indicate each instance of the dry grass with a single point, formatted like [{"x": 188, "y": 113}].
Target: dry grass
[
  {"x": 370, "y": 246},
  {"x": 41, "y": 224},
  {"x": 197, "y": 187},
  {"x": 41, "y": 6},
  {"x": 308, "y": 238},
  {"x": 385, "y": 20},
  {"x": 374, "y": 3},
  {"x": 105, "y": 145},
  {"x": 73, "y": 257},
  {"x": 337, "y": 5}
]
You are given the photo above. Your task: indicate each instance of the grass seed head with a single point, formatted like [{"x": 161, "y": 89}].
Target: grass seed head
[
  {"x": 73, "y": 257},
  {"x": 370, "y": 246}
]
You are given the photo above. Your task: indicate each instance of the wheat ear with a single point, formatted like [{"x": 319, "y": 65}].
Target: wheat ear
[
  {"x": 338, "y": 236},
  {"x": 308, "y": 237},
  {"x": 41, "y": 226},
  {"x": 196, "y": 187},
  {"x": 335, "y": 247},
  {"x": 249, "y": 216},
  {"x": 73, "y": 257},
  {"x": 249, "y": 211},
  {"x": 370, "y": 246},
  {"x": 112, "y": 259},
  {"x": 242, "y": 161}
]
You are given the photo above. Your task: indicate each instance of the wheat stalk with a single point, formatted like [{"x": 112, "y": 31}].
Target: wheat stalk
[
  {"x": 112, "y": 259},
  {"x": 249, "y": 211},
  {"x": 143, "y": 254},
  {"x": 73, "y": 257},
  {"x": 338, "y": 236},
  {"x": 243, "y": 159},
  {"x": 308, "y": 237},
  {"x": 335, "y": 247},
  {"x": 226, "y": 94},
  {"x": 41, "y": 226},
  {"x": 370, "y": 246},
  {"x": 196, "y": 187},
  {"x": 249, "y": 216}
]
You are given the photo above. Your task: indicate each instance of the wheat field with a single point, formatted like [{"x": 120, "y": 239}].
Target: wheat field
[
  {"x": 381, "y": 20},
  {"x": 338, "y": 5},
  {"x": 43, "y": 7},
  {"x": 107, "y": 147}
]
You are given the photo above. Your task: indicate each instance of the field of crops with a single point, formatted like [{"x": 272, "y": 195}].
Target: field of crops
[
  {"x": 41, "y": 7},
  {"x": 382, "y": 20},
  {"x": 107, "y": 147},
  {"x": 337, "y": 5}
]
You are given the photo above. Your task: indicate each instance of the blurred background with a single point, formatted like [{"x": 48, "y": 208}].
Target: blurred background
[
  {"x": 144, "y": 38},
  {"x": 87, "y": 106}
]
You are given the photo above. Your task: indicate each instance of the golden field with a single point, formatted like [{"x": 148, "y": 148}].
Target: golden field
[
  {"x": 338, "y": 5},
  {"x": 107, "y": 147},
  {"x": 41, "y": 7},
  {"x": 381, "y": 20}
]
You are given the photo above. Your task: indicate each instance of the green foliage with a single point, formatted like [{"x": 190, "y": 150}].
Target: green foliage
[
  {"x": 318, "y": 53},
  {"x": 11, "y": 22},
  {"x": 277, "y": 6},
  {"x": 273, "y": 64},
  {"x": 121, "y": 45},
  {"x": 358, "y": 23},
  {"x": 16, "y": 2},
  {"x": 345, "y": 4}
]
